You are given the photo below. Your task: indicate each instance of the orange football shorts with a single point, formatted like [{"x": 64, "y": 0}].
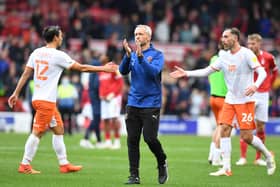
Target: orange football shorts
[
  {"x": 46, "y": 116},
  {"x": 216, "y": 104},
  {"x": 244, "y": 114}
]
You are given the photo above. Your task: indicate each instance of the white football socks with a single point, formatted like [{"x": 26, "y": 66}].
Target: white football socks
[
  {"x": 226, "y": 150},
  {"x": 30, "y": 149},
  {"x": 258, "y": 144},
  {"x": 211, "y": 151},
  {"x": 217, "y": 155},
  {"x": 60, "y": 149}
]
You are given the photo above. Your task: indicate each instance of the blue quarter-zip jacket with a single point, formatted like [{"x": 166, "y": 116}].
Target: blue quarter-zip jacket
[{"x": 145, "y": 87}]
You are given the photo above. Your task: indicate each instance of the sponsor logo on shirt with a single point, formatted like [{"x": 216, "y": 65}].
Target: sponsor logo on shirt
[
  {"x": 255, "y": 60},
  {"x": 231, "y": 67}
]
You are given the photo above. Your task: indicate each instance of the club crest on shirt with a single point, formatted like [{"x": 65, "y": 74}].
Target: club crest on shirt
[
  {"x": 132, "y": 62},
  {"x": 149, "y": 59}
]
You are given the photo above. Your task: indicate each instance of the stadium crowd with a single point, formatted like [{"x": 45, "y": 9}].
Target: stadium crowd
[{"x": 178, "y": 21}]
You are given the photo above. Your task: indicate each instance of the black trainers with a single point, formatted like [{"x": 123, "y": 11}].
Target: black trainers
[
  {"x": 162, "y": 173},
  {"x": 133, "y": 180}
]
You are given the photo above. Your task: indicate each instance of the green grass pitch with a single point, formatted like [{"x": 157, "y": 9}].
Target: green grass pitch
[{"x": 187, "y": 158}]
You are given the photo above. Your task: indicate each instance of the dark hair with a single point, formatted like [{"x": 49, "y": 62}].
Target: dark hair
[
  {"x": 235, "y": 31},
  {"x": 50, "y": 32}
]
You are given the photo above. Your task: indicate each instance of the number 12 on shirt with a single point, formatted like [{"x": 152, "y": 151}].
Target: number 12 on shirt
[{"x": 40, "y": 69}]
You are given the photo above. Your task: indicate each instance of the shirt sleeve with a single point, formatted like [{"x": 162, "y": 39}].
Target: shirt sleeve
[
  {"x": 30, "y": 62},
  {"x": 124, "y": 67},
  {"x": 272, "y": 61},
  {"x": 274, "y": 69},
  {"x": 252, "y": 59},
  {"x": 156, "y": 66},
  {"x": 66, "y": 61},
  {"x": 200, "y": 72},
  {"x": 217, "y": 64}
]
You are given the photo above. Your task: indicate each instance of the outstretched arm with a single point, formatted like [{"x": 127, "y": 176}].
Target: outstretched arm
[
  {"x": 23, "y": 79},
  {"x": 109, "y": 67},
  {"x": 179, "y": 72}
]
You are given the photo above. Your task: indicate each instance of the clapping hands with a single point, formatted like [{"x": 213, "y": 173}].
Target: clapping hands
[{"x": 126, "y": 47}]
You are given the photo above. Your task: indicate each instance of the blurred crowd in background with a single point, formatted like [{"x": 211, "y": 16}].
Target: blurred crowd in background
[{"x": 189, "y": 22}]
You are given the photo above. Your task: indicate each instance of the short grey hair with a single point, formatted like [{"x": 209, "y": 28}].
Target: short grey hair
[{"x": 147, "y": 28}]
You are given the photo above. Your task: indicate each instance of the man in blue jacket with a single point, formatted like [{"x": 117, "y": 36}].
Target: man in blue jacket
[{"x": 145, "y": 65}]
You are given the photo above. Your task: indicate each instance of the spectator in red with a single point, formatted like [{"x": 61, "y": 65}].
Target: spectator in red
[{"x": 110, "y": 92}]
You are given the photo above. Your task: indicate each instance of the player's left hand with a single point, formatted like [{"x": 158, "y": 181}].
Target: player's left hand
[
  {"x": 250, "y": 90},
  {"x": 126, "y": 47},
  {"x": 12, "y": 100}
]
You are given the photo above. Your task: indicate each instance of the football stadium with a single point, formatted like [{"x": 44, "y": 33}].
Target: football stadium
[{"x": 195, "y": 82}]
